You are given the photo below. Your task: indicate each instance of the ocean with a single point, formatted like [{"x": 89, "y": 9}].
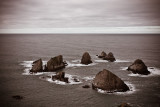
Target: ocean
[{"x": 18, "y": 51}]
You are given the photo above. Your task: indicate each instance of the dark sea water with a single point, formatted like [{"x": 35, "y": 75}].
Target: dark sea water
[{"x": 17, "y": 52}]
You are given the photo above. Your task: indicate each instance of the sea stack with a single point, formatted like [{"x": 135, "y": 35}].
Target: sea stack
[
  {"x": 138, "y": 67},
  {"x": 86, "y": 59},
  {"x": 60, "y": 76},
  {"x": 109, "y": 82},
  {"x": 110, "y": 57},
  {"x": 37, "y": 66},
  {"x": 102, "y": 55},
  {"x": 55, "y": 63}
]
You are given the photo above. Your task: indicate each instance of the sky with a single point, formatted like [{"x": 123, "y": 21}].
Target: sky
[{"x": 22, "y": 14}]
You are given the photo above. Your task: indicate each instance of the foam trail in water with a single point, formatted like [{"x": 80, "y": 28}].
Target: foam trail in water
[
  {"x": 123, "y": 68},
  {"x": 78, "y": 65},
  {"x": 78, "y": 60},
  {"x": 100, "y": 60},
  {"x": 89, "y": 78},
  {"x": 117, "y": 60}
]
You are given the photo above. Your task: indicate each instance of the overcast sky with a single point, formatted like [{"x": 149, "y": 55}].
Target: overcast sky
[{"x": 78, "y": 13}]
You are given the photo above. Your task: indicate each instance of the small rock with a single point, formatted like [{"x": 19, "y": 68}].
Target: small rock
[
  {"x": 86, "y": 86},
  {"x": 17, "y": 97}
]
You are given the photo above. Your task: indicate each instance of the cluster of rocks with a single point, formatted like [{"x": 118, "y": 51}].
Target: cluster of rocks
[
  {"x": 53, "y": 64},
  {"x": 109, "y": 57},
  {"x": 104, "y": 80}
]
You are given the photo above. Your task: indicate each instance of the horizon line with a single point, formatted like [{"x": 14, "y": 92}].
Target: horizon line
[{"x": 86, "y": 30}]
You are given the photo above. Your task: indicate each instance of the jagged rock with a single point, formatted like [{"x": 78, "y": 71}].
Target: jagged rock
[
  {"x": 86, "y": 86},
  {"x": 60, "y": 76},
  {"x": 109, "y": 82},
  {"x": 86, "y": 58},
  {"x": 124, "y": 105},
  {"x": 110, "y": 57},
  {"x": 138, "y": 67},
  {"x": 102, "y": 55},
  {"x": 37, "y": 66},
  {"x": 55, "y": 63}
]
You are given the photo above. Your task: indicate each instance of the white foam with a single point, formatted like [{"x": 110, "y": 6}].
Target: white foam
[
  {"x": 117, "y": 60},
  {"x": 89, "y": 78},
  {"x": 123, "y": 68},
  {"x": 100, "y": 60},
  {"x": 154, "y": 70},
  {"x": 56, "y": 81},
  {"x": 78, "y": 65},
  {"x": 27, "y": 64},
  {"x": 78, "y": 60},
  {"x": 132, "y": 89},
  {"x": 26, "y": 72}
]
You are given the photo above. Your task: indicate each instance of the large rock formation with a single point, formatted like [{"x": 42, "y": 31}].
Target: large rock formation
[
  {"x": 110, "y": 57},
  {"x": 102, "y": 55},
  {"x": 109, "y": 82},
  {"x": 55, "y": 63},
  {"x": 37, "y": 66},
  {"x": 138, "y": 67},
  {"x": 60, "y": 76},
  {"x": 86, "y": 58}
]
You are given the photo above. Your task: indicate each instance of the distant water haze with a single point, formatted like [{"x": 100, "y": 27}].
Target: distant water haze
[{"x": 78, "y": 13}]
